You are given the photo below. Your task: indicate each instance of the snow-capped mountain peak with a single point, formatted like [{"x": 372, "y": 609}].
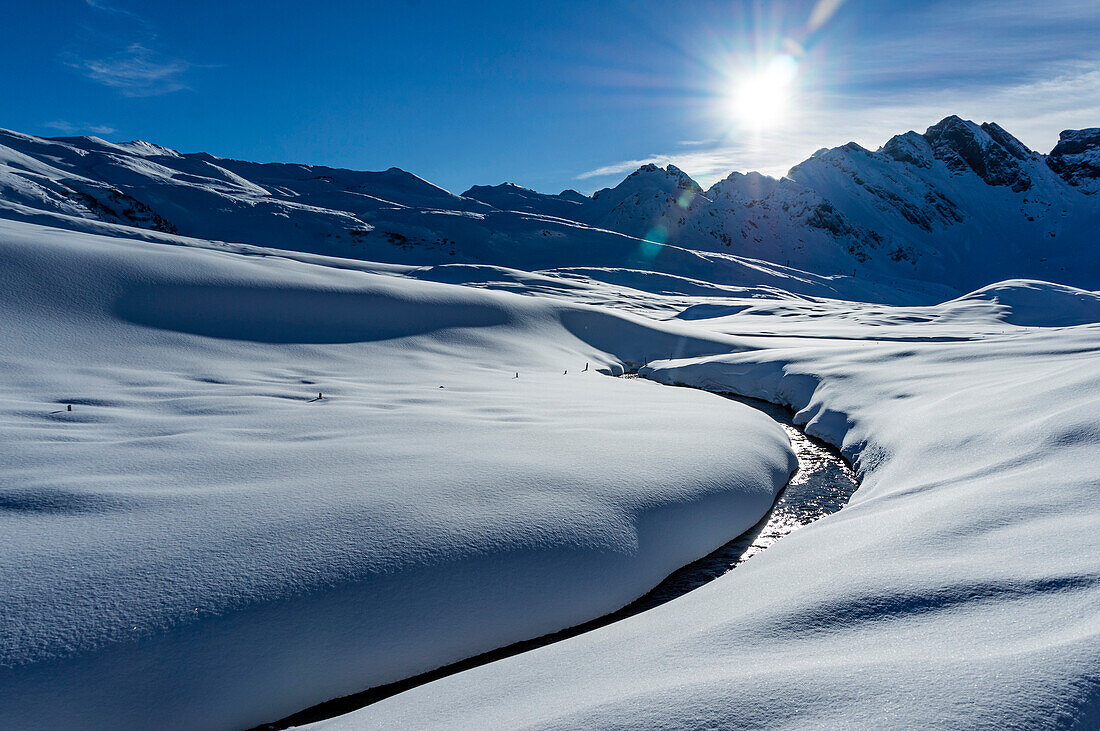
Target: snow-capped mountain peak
[
  {"x": 1076, "y": 158},
  {"x": 512, "y": 197},
  {"x": 987, "y": 150},
  {"x": 962, "y": 204},
  {"x": 656, "y": 174},
  {"x": 743, "y": 187},
  {"x": 652, "y": 202}
]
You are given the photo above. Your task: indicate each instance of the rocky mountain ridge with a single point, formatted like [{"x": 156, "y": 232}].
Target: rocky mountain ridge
[{"x": 961, "y": 204}]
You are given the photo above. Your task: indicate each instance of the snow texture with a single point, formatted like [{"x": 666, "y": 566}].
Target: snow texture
[
  {"x": 960, "y": 587},
  {"x": 200, "y": 543},
  {"x": 330, "y": 429}
]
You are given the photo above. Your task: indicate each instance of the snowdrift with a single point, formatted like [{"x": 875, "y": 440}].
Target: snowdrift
[
  {"x": 1041, "y": 304},
  {"x": 283, "y": 481},
  {"x": 959, "y": 588}
]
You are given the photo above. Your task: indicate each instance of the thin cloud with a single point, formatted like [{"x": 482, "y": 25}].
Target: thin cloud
[
  {"x": 108, "y": 8},
  {"x": 623, "y": 167},
  {"x": 70, "y": 128},
  {"x": 137, "y": 68},
  {"x": 1034, "y": 111},
  {"x": 135, "y": 72},
  {"x": 771, "y": 155},
  {"x": 706, "y": 167},
  {"x": 987, "y": 42}
]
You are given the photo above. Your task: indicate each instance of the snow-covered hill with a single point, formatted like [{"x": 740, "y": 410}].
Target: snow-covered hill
[{"x": 285, "y": 480}]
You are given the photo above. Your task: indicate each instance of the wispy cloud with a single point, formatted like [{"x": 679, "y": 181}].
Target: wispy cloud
[
  {"x": 135, "y": 67},
  {"x": 71, "y": 128},
  {"x": 625, "y": 166},
  {"x": 711, "y": 165},
  {"x": 108, "y": 8},
  {"x": 136, "y": 71}
]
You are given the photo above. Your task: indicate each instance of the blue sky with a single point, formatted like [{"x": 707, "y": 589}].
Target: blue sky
[{"x": 545, "y": 94}]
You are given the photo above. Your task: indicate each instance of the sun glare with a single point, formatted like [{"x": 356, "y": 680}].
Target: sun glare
[{"x": 762, "y": 98}]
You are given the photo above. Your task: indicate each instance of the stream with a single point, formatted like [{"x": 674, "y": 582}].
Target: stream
[{"x": 822, "y": 485}]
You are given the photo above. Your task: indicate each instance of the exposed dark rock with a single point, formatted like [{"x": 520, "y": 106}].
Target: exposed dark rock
[
  {"x": 995, "y": 158},
  {"x": 1076, "y": 158}
]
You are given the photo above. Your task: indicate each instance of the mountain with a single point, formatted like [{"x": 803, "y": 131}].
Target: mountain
[
  {"x": 511, "y": 197},
  {"x": 1076, "y": 158},
  {"x": 651, "y": 203},
  {"x": 961, "y": 205},
  {"x": 140, "y": 190},
  {"x": 149, "y": 186}
]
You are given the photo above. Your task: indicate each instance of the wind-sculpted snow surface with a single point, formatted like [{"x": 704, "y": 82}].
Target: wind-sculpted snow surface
[
  {"x": 960, "y": 588},
  {"x": 282, "y": 482},
  {"x": 1041, "y": 304},
  {"x": 239, "y": 480}
]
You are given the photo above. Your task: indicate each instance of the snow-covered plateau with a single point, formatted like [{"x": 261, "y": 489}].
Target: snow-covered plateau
[{"x": 275, "y": 434}]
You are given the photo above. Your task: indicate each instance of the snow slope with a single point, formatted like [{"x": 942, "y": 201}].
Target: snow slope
[
  {"x": 960, "y": 588},
  {"x": 199, "y": 544}
]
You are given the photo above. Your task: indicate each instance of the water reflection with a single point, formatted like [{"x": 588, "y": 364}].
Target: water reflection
[{"x": 823, "y": 485}]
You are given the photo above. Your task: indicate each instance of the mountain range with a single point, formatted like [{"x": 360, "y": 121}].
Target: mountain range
[{"x": 959, "y": 206}]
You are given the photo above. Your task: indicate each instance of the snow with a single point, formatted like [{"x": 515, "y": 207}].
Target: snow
[
  {"x": 962, "y": 205},
  {"x": 959, "y": 588},
  {"x": 331, "y": 429},
  {"x": 1041, "y": 304},
  {"x": 511, "y": 197},
  {"x": 198, "y": 544},
  {"x": 958, "y": 207}
]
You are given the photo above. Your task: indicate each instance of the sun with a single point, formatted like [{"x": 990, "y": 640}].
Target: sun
[{"x": 762, "y": 98}]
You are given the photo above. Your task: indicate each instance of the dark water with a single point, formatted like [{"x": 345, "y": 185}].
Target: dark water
[{"x": 823, "y": 484}]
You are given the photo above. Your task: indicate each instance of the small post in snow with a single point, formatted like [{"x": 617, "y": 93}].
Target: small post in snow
[
  {"x": 515, "y": 376},
  {"x": 585, "y": 367}
]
